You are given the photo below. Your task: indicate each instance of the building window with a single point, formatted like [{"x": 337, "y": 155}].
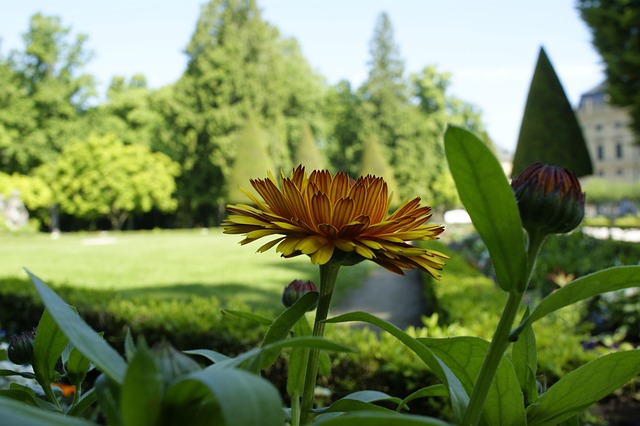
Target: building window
[
  {"x": 600, "y": 173},
  {"x": 598, "y": 127},
  {"x": 620, "y": 172},
  {"x": 618, "y": 124},
  {"x": 618, "y": 150},
  {"x": 600, "y": 152}
]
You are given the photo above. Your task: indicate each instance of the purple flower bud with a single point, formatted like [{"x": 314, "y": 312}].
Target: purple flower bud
[
  {"x": 550, "y": 199},
  {"x": 295, "y": 290},
  {"x": 20, "y": 349}
]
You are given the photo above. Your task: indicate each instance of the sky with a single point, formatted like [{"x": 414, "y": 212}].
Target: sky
[{"x": 489, "y": 47}]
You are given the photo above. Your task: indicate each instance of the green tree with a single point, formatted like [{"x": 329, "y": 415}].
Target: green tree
[
  {"x": 614, "y": 28},
  {"x": 237, "y": 66},
  {"x": 103, "y": 177},
  {"x": 252, "y": 161},
  {"x": 550, "y": 132},
  {"x": 128, "y": 112},
  {"x": 374, "y": 162},
  {"x": 307, "y": 152},
  {"x": 46, "y": 93}
]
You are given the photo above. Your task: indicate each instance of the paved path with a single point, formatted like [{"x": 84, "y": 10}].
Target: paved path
[{"x": 394, "y": 298}]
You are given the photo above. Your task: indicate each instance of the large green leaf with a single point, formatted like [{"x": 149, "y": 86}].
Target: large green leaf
[
  {"x": 225, "y": 397},
  {"x": 369, "y": 418},
  {"x": 429, "y": 391},
  {"x": 457, "y": 393},
  {"x": 616, "y": 278},
  {"x": 80, "y": 334},
  {"x": 47, "y": 348},
  {"x": 464, "y": 356},
  {"x": 584, "y": 386},
  {"x": 141, "y": 393},
  {"x": 487, "y": 196},
  {"x": 282, "y": 325},
  {"x": 17, "y": 413},
  {"x": 298, "y": 360}
]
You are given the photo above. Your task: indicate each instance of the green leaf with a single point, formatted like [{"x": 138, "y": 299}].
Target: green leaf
[
  {"x": 524, "y": 356},
  {"x": 298, "y": 359},
  {"x": 129, "y": 345},
  {"x": 26, "y": 375},
  {"x": 212, "y": 356},
  {"x": 80, "y": 334},
  {"x": 464, "y": 356},
  {"x": 489, "y": 200},
  {"x": 226, "y": 397},
  {"x": 360, "y": 401},
  {"x": 616, "y": 278},
  {"x": 369, "y": 418},
  {"x": 259, "y": 319},
  {"x": 77, "y": 366},
  {"x": 457, "y": 393},
  {"x": 282, "y": 325},
  {"x": 434, "y": 390},
  {"x": 324, "y": 364},
  {"x": 86, "y": 401},
  {"x": 584, "y": 386},
  {"x": 47, "y": 349},
  {"x": 254, "y": 357},
  {"x": 108, "y": 396},
  {"x": 142, "y": 389},
  {"x": 17, "y": 413}
]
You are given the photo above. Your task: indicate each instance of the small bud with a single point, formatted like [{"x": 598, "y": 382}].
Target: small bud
[
  {"x": 295, "y": 290},
  {"x": 20, "y": 349},
  {"x": 172, "y": 363},
  {"x": 550, "y": 199}
]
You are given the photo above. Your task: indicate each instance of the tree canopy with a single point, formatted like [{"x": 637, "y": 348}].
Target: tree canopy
[
  {"x": 614, "y": 27},
  {"x": 550, "y": 132}
]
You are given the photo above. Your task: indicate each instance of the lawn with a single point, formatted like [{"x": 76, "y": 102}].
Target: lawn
[{"x": 163, "y": 264}]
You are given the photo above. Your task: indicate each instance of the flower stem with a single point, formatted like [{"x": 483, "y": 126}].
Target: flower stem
[
  {"x": 328, "y": 275},
  {"x": 498, "y": 346},
  {"x": 502, "y": 338}
]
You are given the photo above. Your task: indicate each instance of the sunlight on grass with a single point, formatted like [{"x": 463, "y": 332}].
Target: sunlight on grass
[{"x": 163, "y": 264}]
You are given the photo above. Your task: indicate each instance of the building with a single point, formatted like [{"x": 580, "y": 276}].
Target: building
[{"x": 610, "y": 140}]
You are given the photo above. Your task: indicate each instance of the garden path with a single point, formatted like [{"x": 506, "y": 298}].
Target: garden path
[{"x": 392, "y": 297}]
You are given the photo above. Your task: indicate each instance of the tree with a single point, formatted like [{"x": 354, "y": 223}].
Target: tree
[
  {"x": 252, "y": 161},
  {"x": 237, "y": 66},
  {"x": 550, "y": 132},
  {"x": 614, "y": 28},
  {"x": 375, "y": 163},
  {"x": 307, "y": 152},
  {"x": 104, "y": 177},
  {"x": 47, "y": 93}
]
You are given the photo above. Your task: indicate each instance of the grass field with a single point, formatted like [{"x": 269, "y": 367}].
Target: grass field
[{"x": 163, "y": 264}]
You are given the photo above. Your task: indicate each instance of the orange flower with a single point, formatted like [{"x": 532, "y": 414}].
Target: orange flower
[
  {"x": 67, "y": 390},
  {"x": 326, "y": 216}
]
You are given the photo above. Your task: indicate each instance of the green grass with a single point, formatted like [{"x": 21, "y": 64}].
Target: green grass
[{"x": 163, "y": 264}]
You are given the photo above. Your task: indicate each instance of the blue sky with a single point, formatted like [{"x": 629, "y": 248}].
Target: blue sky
[{"x": 490, "y": 47}]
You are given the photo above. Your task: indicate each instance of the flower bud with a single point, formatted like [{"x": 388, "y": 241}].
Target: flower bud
[
  {"x": 295, "y": 290},
  {"x": 549, "y": 199},
  {"x": 172, "y": 363},
  {"x": 20, "y": 349}
]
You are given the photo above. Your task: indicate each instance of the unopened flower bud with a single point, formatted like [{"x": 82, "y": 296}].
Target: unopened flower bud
[
  {"x": 172, "y": 363},
  {"x": 295, "y": 290},
  {"x": 20, "y": 349},
  {"x": 550, "y": 199}
]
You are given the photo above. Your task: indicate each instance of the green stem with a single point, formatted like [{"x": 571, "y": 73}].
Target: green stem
[
  {"x": 328, "y": 275},
  {"x": 502, "y": 338},
  {"x": 498, "y": 346},
  {"x": 295, "y": 410}
]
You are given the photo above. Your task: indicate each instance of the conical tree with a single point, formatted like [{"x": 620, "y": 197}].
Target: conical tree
[
  {"x": 307, "y": 152},
  {"x": 375, "y": 163},
  {"x": 550, "y": 132},
  {"x": 252, "y": 161}
]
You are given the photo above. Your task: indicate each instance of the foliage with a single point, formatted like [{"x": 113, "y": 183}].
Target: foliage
[
  {"x": 238, "y": 66},
  {"x": 374, "y": 163},
  {"x": 550, "y": 132},
  {"x": 252, "y": 161},
  {"x": 34, "y": 191},
  {"x": 104, "y": 177},
  {"x": 601, "y": 190},
  {"x": 45, "y": 95},
  {"x": 307, "y": 152},
  {"x": 613, "y": 26}
]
